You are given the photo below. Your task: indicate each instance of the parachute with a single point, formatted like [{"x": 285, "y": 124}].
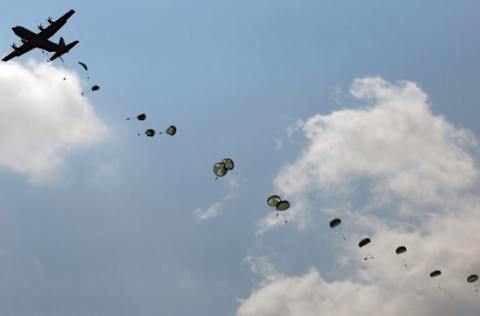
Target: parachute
[
  {"x": 335, "y": 222},
  {"x": 282, "y": 205},
  {"x": 229, "y": 164},
  {"x": 472, "y": 278},
  {"x": 435, "y": 273},
  {"x": 95, "y": 88},
  {"x": 140, "y": 117},
  {"x": 171, "y": 130},
  {"x": 401, "y": 250},
  {"x": 84, "y": 66},
  {"x": 273, "y": 200},
  {"x": 219, "y": 169},
  {"x": 364, "y": 242},
  {"x": 150, "y": 132}
]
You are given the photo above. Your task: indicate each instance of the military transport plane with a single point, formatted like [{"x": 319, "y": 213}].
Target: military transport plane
[{"x": 31, "y": 40}]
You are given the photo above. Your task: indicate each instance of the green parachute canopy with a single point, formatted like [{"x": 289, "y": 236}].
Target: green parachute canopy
[
  {"x": 335, "y": 222},
  {"x": 219, "y": 169},
  {"x": 229, "y": 164},
  {"x": 150, "y": 132},
  {"x": 273, "y": 200},
  {"x": 171, "y": 130},
  {"x": 435, "y": 273},
  {"x": 364, "y": 242},
  {"x": 472, "y": 278},
  {"x": 282, "y": 205}
]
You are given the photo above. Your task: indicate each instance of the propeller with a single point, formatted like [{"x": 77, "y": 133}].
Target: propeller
[
  {"x": 50, "y": 20},
  {"x": 40, "y": 27},
  {"x": 14, "y": 46}
]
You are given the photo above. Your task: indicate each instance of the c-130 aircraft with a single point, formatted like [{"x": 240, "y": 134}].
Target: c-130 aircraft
[{"x": 41, "y": 40}]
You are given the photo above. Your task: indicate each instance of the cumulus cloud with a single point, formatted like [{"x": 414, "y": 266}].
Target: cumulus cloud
[
  {"x": 43, "y": 118},
  {"x": 411, "y": 158},
  {"x": 396, "y": 140}
]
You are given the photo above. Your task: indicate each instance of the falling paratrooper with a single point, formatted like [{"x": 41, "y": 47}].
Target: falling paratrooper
[
  {"x": 472, "y": 279},
  {"x": 95, "y": 88},
  {"x": 334, "y": 223},
  {"x": 279, "y": 204},
  {"x": 363, "y": 243}
]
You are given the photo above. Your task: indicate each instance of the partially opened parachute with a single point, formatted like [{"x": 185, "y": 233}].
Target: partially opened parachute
[
  {"x": 84, "y": 66},
  {"x": 401, "y": 250},
  {"x": 95, "y": 87}
]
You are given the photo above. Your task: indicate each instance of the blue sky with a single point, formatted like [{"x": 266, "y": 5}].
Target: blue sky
[{"x": 115, "y": 233}]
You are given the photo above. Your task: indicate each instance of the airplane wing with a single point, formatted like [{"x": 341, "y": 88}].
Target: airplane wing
[
  {"x": 19, "y": 51},
  {"x": 47, "y": 45},
  {"x": 55, "y": 25}
]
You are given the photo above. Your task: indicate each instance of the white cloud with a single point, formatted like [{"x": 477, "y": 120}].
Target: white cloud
[
  {"x": 407, "y": 157},
  {"x": 43, "y": 118},
  {"x": 262, "y": 266},
  {"x": 216, "y": 208},
  {"x": 397, "y": 141}
]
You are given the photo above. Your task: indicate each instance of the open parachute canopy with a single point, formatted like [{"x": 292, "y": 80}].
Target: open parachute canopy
[
  {"x": 335, "y": 222},
  {"x": 401, "y": 250},
  {"x": 273, "y": 200},
  {"x": 472, "y": 278},
  {"x": 229, "y": 164},
  {"x": 171, "y": 130},
  {"x": 219, "y": 169},
  {"x": 150, "y": 132},
  {"x": 364, "y": 242},
  {"x": 435, "y": 273},
  {"x": 282, "y": 205}
]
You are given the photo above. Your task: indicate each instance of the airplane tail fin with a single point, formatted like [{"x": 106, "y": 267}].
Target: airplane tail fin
[{"x": 64, "y": 49}]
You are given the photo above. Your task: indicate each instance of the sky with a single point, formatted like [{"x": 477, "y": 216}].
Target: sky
[{"x": 366, "y": 111}]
